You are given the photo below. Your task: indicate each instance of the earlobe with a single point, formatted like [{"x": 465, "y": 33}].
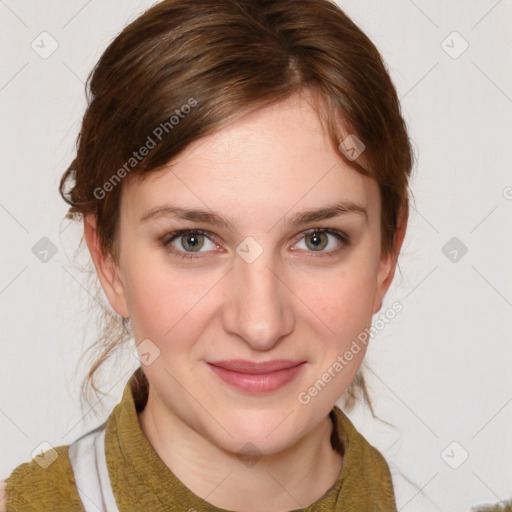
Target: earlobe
[
  {"x": 384, "y": 278},
  {"x": 387, "y": 265},
  {"x": 106, "y": 268}
]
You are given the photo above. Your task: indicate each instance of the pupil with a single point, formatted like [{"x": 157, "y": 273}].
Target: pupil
[
  {"x": 315, "y": 240},
  {"x": 194, "y": 240}
]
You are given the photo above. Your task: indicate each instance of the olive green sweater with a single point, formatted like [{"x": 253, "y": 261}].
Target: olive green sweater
[{"x": 142, "y": 482}]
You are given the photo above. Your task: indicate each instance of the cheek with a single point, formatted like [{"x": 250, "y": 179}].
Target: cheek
[
  {"x": 341, "y": 316},
  {"x": 166, "y": 304},
  {"x": 156, "y": 298},
  {"x": 342, "y": 304}
]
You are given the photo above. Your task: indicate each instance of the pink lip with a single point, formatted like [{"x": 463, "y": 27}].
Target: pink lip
[{"x": 257, "y": 377}]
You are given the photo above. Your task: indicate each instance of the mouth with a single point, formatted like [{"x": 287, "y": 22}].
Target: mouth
[{"x": 257, "y": 377}]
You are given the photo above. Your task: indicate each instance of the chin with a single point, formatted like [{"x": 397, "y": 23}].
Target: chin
[
  {"x": 268, "y": 436},
  {"x": 254, "y": 447}
]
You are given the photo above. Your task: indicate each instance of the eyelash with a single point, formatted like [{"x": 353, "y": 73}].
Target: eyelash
[{"x": 170, "y": 237}]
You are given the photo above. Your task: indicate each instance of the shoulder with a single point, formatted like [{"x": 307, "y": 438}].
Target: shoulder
[
  {"x": 3, "y": 497},
  {"x": 45, "y": 483},
  {"x": 366, "y": 465}
]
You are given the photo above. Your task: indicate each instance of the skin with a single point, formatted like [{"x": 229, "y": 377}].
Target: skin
[{"x": 289, "y": 303}]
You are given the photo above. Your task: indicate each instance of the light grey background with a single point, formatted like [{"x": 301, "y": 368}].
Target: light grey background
[{"x": 440, "y": 371}]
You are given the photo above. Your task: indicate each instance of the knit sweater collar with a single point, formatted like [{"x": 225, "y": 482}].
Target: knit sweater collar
[{"x": 138, "y": 475}]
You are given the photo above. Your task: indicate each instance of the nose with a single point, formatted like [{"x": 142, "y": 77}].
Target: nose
[{"x": 259, "y": 308}]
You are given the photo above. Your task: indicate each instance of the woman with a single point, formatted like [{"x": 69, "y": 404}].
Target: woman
[{"x": 242, "y": 175}]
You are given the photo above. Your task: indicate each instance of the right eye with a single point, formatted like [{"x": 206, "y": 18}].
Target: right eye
[{"x": 190, "y": 241}]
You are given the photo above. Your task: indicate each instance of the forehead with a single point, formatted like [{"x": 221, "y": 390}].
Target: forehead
[{"x": 273, "y": 159}]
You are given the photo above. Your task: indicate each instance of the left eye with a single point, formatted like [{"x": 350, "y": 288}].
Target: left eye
[
  {"x": 317, "y": 240},
  {"x": 193, "y": 240}
]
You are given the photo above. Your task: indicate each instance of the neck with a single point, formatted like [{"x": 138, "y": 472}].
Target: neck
[{"x": 291, "y": 479}]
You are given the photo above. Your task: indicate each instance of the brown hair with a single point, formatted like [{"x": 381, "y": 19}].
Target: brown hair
[{"x": 223, "y": 59}]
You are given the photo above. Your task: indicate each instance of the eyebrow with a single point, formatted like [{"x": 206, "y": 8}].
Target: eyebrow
[{"x": 311, "y": 215}]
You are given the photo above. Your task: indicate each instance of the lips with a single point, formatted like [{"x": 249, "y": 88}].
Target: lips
[
  {"x": 256, "y": 368},
  {"x": 257, "y": 377}
]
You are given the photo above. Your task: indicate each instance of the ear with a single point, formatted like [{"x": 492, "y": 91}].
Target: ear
[
  {"x": 106, "y": 268},
  {"x": 388, "y": 262}
]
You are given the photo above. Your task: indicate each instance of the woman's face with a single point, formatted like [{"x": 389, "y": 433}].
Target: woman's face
[{"x": 259, "y": 286}]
